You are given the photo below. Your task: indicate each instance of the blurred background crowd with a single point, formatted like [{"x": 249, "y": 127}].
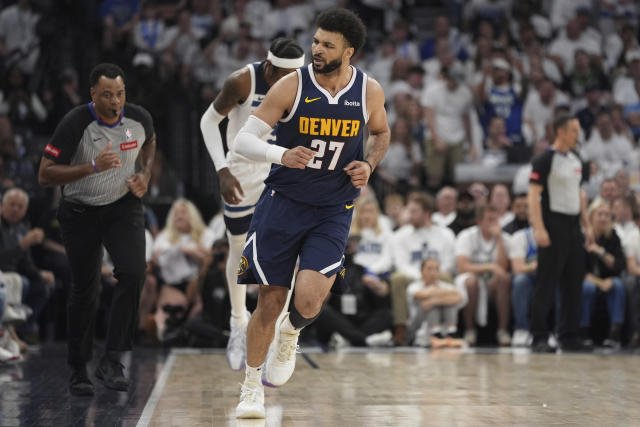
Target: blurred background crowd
[{"x": 471, "y": 88}]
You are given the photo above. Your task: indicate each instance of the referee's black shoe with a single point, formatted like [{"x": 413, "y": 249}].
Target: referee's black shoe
[
  {"x": 542, "y": 346},
  {"x": 111, "y": 373},
  {"x": 576, "y": 345},
  {"x": 79, "y": 383}
]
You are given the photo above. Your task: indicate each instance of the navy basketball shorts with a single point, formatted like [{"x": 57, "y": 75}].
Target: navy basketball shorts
[{"x": 283, "y": 230}]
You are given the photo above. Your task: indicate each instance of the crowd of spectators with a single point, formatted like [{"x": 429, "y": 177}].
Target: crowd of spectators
[{"x": 467, "y": 83}]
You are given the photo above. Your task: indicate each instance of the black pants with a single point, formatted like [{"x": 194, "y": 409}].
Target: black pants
[
  {"x": 85, "y": 229},
  {"x": 332, "y": 320},
  {"x": 560, "y": 266}
]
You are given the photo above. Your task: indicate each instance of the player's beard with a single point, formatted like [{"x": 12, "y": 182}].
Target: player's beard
[{"x": 329, "y": 67}]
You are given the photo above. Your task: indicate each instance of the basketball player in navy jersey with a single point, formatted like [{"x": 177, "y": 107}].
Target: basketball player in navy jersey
[
  {"x": 319, "y": 168},
  {"x": 242, "y": 180}
]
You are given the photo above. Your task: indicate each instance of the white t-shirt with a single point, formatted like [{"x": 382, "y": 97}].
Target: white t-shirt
[
  {"x": 449, "y": 108},
  {"x": 175, "y": 266},
  {"x": 610, "y": 155},
  {"x": 443, "y": 220},
  {"x": 519, "y": 245},
  {"x": 410, "y": 247},
  {"x": 419, "y": 285},
  {"x": 472, "y": 245},
  {"x": 538, "y": 113},
  {"x": 566, "y": 49},
  {"x": 624, "y": 91},
  {"x": 374, "y": 251}
]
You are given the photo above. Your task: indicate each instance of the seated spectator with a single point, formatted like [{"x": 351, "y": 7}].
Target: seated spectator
[
  {"x": 587, "y": 115},
  {"x": 446, "y": 201},
  {"x": 433, "y": 308},
  {"x": 394, "y": 213},
  {"x": 520, "y": 209},
  {"x": 523, "y": 254},
  {"x": 482, "y": 265},
  {"x": 497, "y": 143},
  {"x": 410, "y": 245},
  {"x": 373, "y": 251},
  {"x": 361, "y": 316},
  {"x": 465, "y": 213},
  {"x": 605, "y": 264},
  {"x": 179, "y": 251},
  {"x": 608, "y": 191},
  {"x": 16, "y": 241},
  {"x": 609, "y": 151},
  {"x": 586, "y": 73},
  {"x": 500, "y": 199}
]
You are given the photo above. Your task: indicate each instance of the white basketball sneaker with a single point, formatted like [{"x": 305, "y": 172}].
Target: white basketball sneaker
[
  {"x": 281, "y": 360},
  {"x": 237, "y": 344},
  {"x": 251, "y": 401}
]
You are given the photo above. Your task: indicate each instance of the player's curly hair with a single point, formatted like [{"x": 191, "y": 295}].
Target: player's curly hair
[{"x": 345, "y": 22}]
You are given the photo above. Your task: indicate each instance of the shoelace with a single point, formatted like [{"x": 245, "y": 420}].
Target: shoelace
[
  {"x": 249, "y": 394},
  {"x": 287, "y": 349}
]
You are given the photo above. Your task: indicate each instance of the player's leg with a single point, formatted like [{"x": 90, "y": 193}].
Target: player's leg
[
  {"x": 269, "y": 259},
  {"x": 321, "y": 258}
]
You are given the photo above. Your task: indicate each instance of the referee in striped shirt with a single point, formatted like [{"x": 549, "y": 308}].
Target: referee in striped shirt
[{"x": 101, "y": 154}]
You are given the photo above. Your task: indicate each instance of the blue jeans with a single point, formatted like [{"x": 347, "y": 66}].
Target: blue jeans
[
  {"x": 615, "y": 302},
  {"x": 521, "y": 293}
]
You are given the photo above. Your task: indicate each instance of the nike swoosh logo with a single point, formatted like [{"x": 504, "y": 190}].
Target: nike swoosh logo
[
  {"x": 97, "y": 139},
  {"x": 348, "y": 206},
  {"x": 308, "y": 100}
]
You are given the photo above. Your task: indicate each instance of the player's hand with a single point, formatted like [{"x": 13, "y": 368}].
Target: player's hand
[
  {"x": 138, "y": 184},
  {"x": 107, "y": 159},
  {"x": 230, "y": 187},
  {"x": 542, "y": 237},
  {"x": 297, "y": 157},
  {"x": 359, "y": 173}
]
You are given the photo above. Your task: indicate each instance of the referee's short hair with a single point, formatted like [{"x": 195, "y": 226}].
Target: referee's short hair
[
  {"x": 106, "y": 69},
  {"x": 560, "y": 120}
]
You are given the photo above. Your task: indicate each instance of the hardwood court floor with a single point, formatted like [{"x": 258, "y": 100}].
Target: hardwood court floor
[{"x": 409, "y": 388}]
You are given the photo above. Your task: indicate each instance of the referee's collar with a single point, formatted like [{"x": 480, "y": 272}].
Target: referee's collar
[{"x": 101, "y": 122}]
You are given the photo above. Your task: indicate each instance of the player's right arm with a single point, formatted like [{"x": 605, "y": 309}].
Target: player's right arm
[
  {"x": 234, "y": 91},
  {"x": 277, "y": 104}
]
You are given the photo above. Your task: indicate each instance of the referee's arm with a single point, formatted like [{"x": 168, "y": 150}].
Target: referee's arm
[
  {"x": 540, "y": 233},
  {"x": 52, "y": 173}
]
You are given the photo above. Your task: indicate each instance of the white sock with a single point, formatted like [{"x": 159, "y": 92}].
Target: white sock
[
  {"x": 287, "y": 327},
  {"x": 237, "y": 293},
  {"x": 253, "y": 375}
]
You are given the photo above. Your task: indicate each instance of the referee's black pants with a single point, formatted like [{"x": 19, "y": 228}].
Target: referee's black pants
[
  {"x": 118, "y": 226},
  {"x": 560, "y": 266}
]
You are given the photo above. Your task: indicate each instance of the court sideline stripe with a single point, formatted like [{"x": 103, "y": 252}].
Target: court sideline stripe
[{"x": 156, "y": 393}]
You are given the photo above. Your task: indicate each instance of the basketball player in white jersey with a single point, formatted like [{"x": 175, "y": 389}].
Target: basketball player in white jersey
[{"x": 242, "y": 180}]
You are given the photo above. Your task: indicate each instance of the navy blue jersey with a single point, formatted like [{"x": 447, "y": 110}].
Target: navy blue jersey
[{"x": 333, "y": 127}]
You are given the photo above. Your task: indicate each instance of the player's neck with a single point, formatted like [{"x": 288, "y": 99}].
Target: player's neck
[{"x": 335, "y": 81}]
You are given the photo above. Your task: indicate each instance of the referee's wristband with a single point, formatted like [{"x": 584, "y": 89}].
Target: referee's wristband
[
  {"x": 94, "y": 166},
  {"x": 367, "y": 162}
]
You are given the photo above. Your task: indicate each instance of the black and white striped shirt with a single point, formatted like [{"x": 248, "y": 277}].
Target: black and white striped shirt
[{"x": 81, "y": 136}]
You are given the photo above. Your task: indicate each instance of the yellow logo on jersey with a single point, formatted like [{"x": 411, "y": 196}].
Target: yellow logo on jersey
[
  {"x": 348, "y": 206},
  {"x": 308, "y": 100},
  {"x": 243, "y": 266},
  {"x": 320, "y": 126}
]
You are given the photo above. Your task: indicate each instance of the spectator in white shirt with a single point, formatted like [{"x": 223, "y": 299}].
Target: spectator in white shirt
[
  {"x": 623, "y": 88},
  {"x": 523, "y": 254},
  {"x": 433, "y": 308},
  {"x": 410, "y": 245},
  {"x": 448, "y": 104},
  {"x": 373, "y": 252},
  {"x": 446, "y": 202},
  {"x": 609, "y": 151},
  {"x": 539, "y": 107},
  {"x": 482, "y": 265},
  {"x": 501, "y": 200},
  {"x": 563, "y": 48}
]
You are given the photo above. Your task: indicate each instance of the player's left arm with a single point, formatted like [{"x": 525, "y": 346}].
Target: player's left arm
[
  {"x": 139, "y": 181},
  {"x": 378, "y": 141}
]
